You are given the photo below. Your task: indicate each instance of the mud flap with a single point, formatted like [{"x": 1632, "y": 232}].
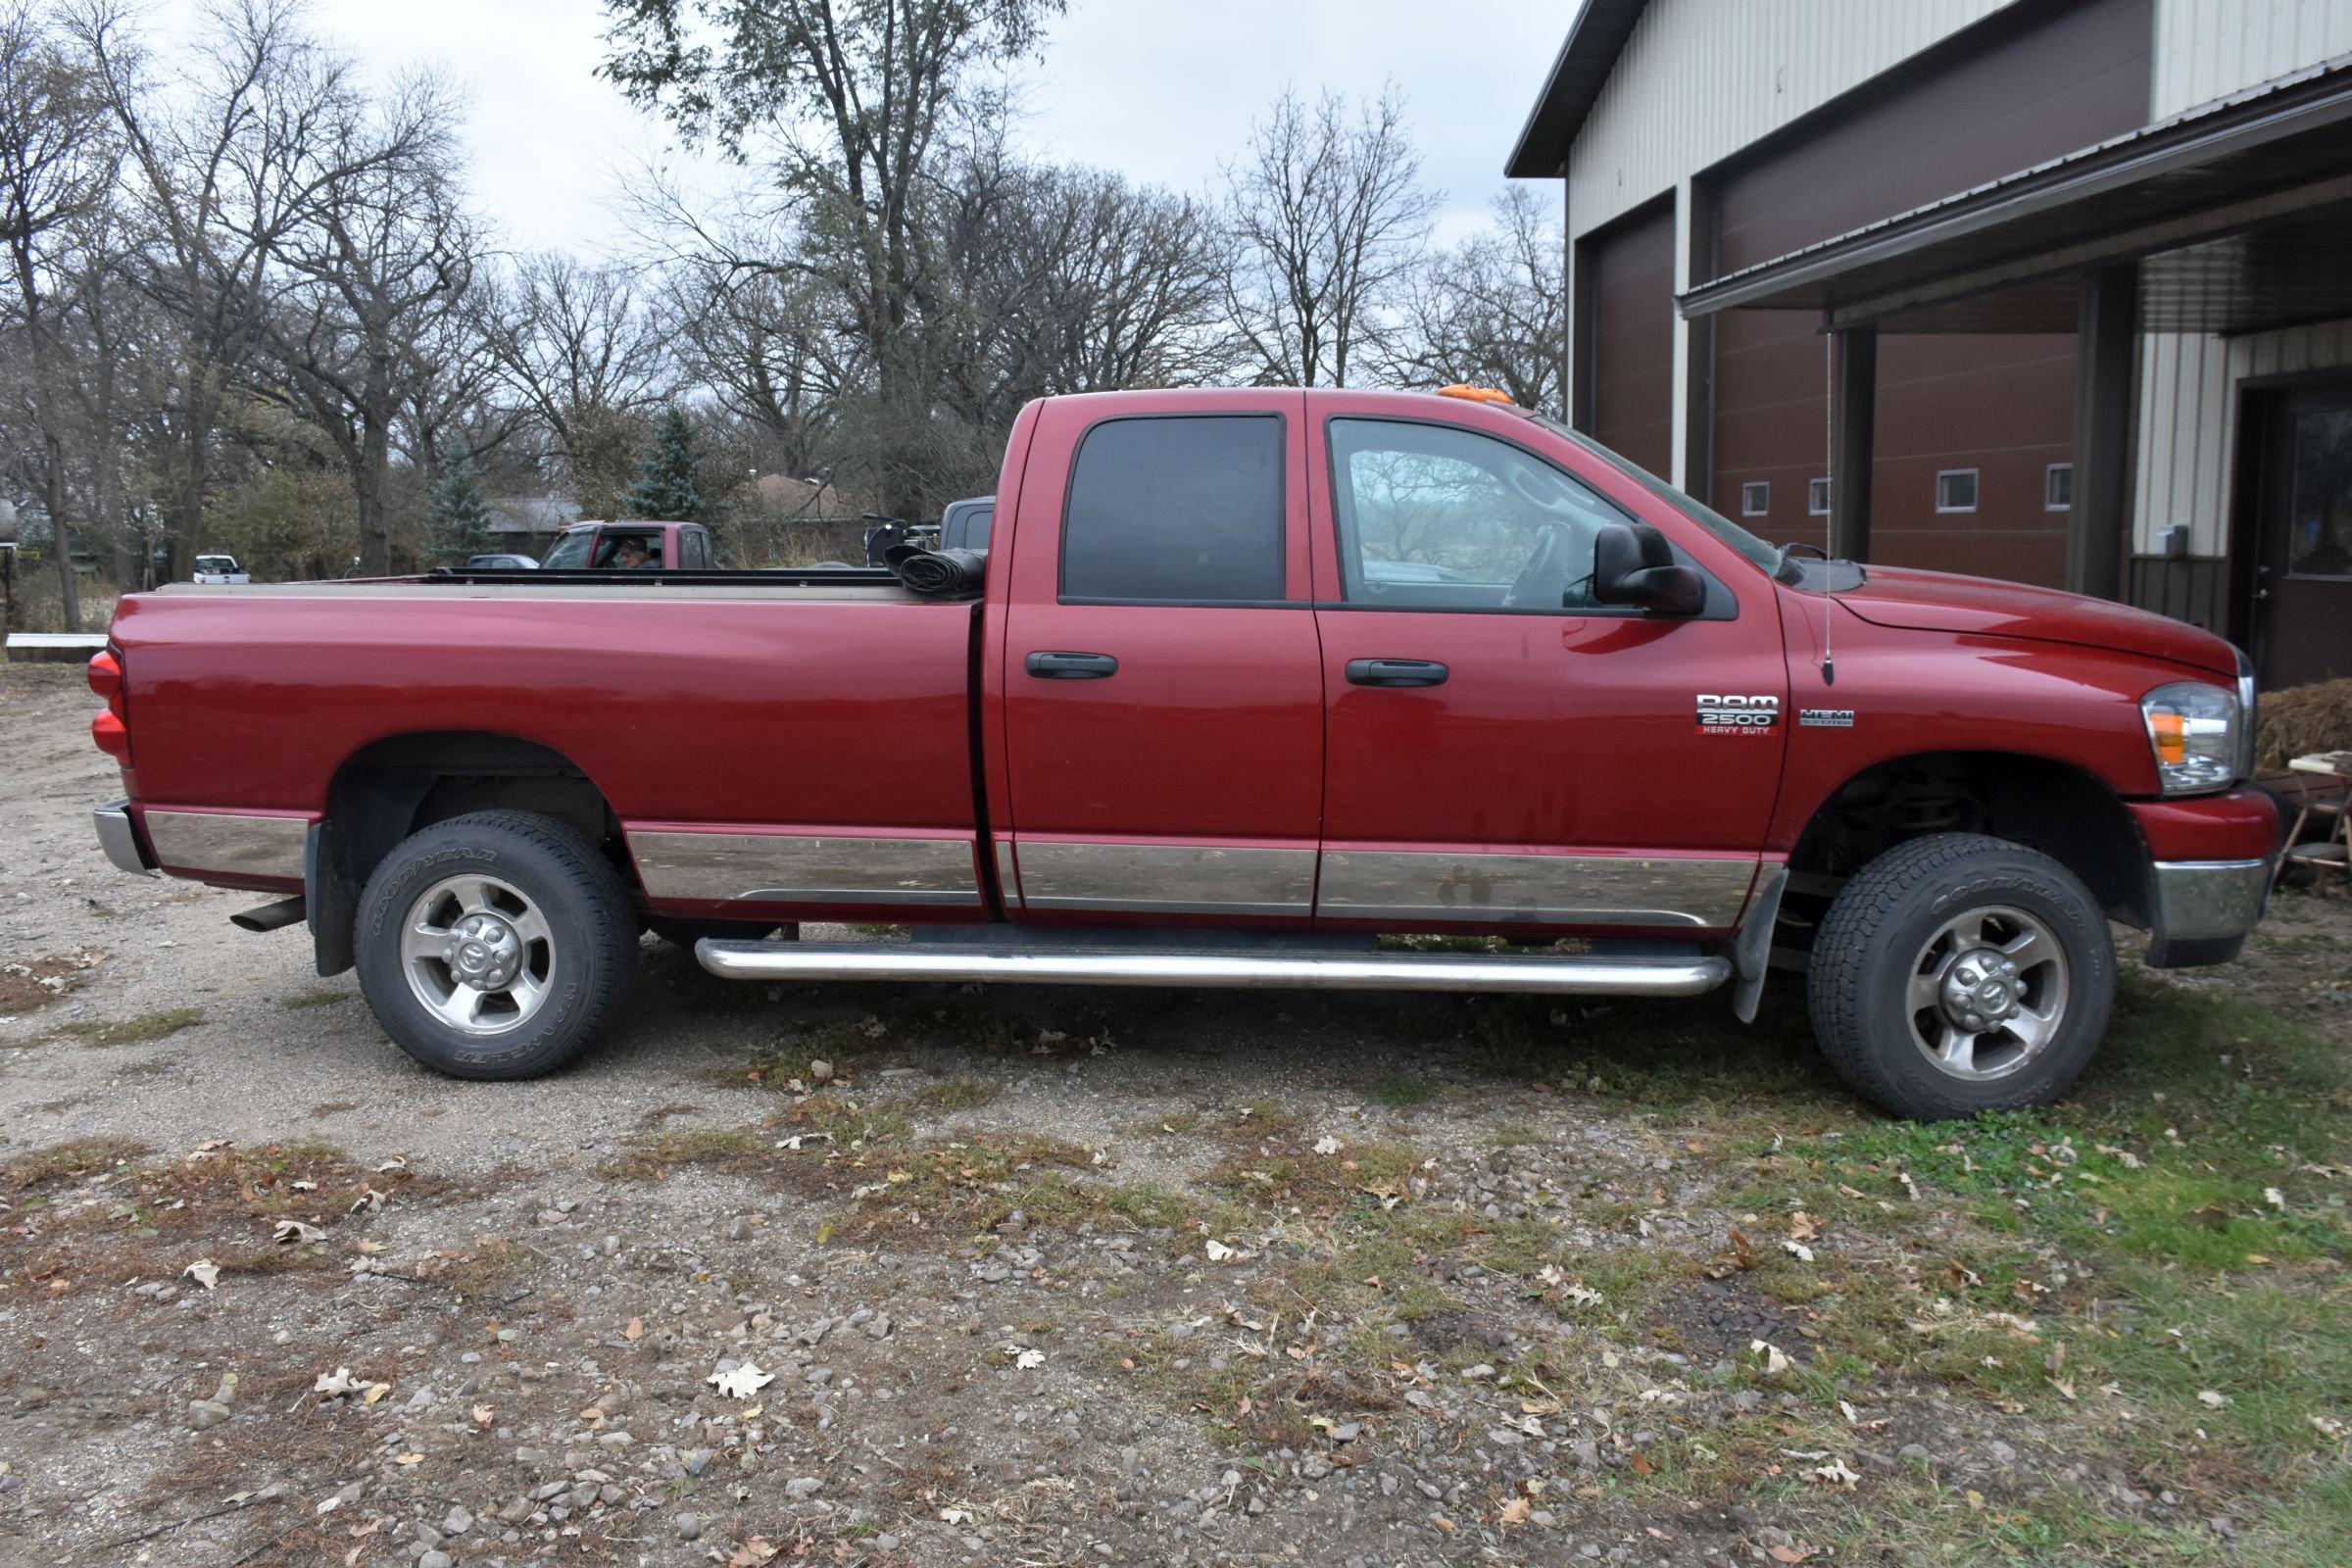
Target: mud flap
[
  {"x": 332, "y": 898},
  {"x": 1751, "y": 949}
]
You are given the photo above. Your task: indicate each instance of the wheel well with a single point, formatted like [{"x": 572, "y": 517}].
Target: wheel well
[
  {"x": 391, "y": 788},
  {"x": 2066, "y": 813}
]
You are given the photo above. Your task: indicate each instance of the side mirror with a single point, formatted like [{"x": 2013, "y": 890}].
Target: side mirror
[{"x": 1634, "y": 564}]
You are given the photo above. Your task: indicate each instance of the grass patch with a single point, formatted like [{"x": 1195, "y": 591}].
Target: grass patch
[
  {"x": 318, "y": 999},
  {"x": 1401, "y": 1092},
  {"x": 127, "y": 1031},
  {"x": 958, "y": 1093},
  {"x": 60, "y": 1163}
]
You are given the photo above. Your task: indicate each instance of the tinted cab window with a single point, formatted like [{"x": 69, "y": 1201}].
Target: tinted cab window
[{"x": 1179, "y": 510}]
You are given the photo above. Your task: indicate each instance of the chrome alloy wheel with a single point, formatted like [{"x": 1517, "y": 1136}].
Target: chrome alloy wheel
[
  {"x": 478, "y": 955},
  {"x": 1987, "y": 993}
]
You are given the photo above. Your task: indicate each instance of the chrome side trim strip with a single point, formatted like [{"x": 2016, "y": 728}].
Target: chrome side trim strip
[
  {"x": 1167, "y": 878},
  {"x": 805, "y": 868},
  {"x": 229, "y": 843},
  {"x": 1008, "y": 876},
  {"x": 2199, "y": 901},
  {"x": 119, "y": 837},
  {"x": 1409, "y": 885},
  {"x": 846, "y": 960}
]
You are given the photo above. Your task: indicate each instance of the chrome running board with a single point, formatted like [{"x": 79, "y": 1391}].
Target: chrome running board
[{"x": 1373, "y": 970}]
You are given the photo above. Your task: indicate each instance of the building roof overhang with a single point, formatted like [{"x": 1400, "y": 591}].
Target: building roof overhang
[
  {"x": 2239, "y": 214},
  {"x": 1595, "y": 40}
]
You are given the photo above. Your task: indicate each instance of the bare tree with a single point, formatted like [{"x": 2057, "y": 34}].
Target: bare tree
[
  {"x": 844, "y": 100},
  {"x": 1493, "y": 309},
  {"x": 1327, "y": 219},
  {"x": 378, "y": 251},
  {"x": 1069, "y": 279},
  {"x": 575, "y": 345},
  {"x": 55, "y": 168},
  {"x": 765, "y": 348},
  {"x": 222, "y": 172}
]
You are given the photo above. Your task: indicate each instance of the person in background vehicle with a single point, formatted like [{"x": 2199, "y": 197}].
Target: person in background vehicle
[{"x": 630, "y": 554}]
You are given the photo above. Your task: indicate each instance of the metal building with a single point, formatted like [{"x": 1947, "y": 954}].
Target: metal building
[{"x": 2053, "y": 290}]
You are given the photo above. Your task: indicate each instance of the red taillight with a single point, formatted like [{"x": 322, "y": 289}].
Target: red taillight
[
  {"x": 112, "y": 738},
  {"x": 109, "y": 729}
]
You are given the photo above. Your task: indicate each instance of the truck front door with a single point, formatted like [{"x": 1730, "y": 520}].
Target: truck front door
[
  {"x": 1501, "y": 748},
  {"x": 1160, "y": 679}
]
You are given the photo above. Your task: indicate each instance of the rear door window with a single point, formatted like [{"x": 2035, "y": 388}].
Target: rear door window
[{"x": 1176, "y": 509}]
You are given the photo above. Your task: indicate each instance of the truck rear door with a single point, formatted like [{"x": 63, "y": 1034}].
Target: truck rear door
[
  {"x": 1162, "y": 681},
  {"x": 1502, "y": 750}
]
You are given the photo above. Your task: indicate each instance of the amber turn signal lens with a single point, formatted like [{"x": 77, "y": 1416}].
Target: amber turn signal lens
[{"x": 2169, "y": 731}]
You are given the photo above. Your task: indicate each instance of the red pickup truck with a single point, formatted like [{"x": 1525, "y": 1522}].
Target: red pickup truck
[{"x": 1255, "y": 680}]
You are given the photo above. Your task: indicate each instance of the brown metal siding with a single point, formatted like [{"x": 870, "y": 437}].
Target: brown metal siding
[
  {"x": 1632, "y": 336},
  {"x": 2008, "y": 94}
]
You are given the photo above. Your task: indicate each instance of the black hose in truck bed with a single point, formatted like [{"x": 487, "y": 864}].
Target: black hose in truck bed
[{"x": 938, "y": 573}]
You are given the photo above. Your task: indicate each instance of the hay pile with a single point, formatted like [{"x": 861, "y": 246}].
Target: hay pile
[{"x": 2300, "y": 720}]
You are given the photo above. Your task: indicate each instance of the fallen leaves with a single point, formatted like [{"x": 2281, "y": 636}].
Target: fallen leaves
[
  {"x": 340, "y": 1384},
  {"x": 294, "y": 1231},
  {"x": 204, "y": 1271},
  {"x": 1024, "y": 1358},
  {"x": 1775, "y": 1362},
  {"x": 740, "y": 1381}
]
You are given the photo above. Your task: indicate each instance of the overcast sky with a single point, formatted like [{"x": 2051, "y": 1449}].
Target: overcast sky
[{"x": 1161, "y": 90}]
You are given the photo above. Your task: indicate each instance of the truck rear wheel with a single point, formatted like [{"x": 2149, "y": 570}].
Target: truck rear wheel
[
  {"x": 495, "y": 945},
  {"x": 1959, "y": 973}
]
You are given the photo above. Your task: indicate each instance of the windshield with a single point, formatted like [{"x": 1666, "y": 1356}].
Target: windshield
[
  {"x": 1767, "y": 557},
  {"x": 571, "y": 550}
]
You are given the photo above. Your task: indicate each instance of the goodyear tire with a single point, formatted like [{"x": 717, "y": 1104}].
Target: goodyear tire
[
  {"x": 495, "y": 945},
  {"x": 1957, "y": 974}
]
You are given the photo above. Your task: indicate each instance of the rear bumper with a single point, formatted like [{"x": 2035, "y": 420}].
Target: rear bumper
[
  {"x": 119, "y": 836},
  {"x": 2204, "y": 909}
]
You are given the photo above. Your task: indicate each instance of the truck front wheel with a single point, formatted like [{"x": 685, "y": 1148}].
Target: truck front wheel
[
  {"x": 495, "y": 945},
  {"x": 1957, "y": 974}
]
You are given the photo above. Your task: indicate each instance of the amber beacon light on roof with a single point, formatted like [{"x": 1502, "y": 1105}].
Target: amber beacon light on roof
[{"x": 1477, "y": 394}]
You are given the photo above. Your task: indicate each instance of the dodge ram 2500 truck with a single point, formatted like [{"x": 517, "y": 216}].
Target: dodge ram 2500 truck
[{"x": 1252, "y": 680}]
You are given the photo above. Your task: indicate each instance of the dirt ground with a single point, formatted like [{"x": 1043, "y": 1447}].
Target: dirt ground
[{"x": 932, "y": 1276}]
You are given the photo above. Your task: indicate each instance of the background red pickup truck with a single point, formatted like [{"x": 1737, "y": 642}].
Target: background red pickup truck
[{"x": 1255, "y": 678}]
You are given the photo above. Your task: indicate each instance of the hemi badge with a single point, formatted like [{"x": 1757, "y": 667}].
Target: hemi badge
[{"x": 1826, "y": 717}]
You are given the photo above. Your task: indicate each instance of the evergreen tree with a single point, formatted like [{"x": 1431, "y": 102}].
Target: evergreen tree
[
  {"x": 461, "y": 517},
  {"x": 667, "y": 488}
]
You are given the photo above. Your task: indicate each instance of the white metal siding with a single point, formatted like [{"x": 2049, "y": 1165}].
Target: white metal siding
[
  {"x": 2188, "y": 421},
  {"x": 1700, "y": 80},
  {"x": 2206, "y": 49}
]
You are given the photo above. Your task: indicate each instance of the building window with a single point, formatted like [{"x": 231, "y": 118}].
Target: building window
[
  {"x": 1816, "y": 496},
  {"x": 1756, "y": 498},
  {"x": 1956, "y": 490},
  {"x": 2058, "y": 487}
]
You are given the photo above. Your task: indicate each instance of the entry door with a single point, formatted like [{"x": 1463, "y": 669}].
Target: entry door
[
  {"x": 1501, "y": 748},
  {"x": 2303, "y": 567},
  {"x": 1164, "y": 690}
]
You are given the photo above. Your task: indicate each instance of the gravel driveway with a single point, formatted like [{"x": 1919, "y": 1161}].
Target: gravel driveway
[{"x": 935, "y": 1276}]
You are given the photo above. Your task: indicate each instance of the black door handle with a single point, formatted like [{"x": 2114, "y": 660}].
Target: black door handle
[
  {"x": 1396, "y": 672},
  {"x": 1047, "y": 666}
]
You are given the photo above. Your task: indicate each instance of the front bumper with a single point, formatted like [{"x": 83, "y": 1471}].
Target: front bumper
[
  {"x": 119, "y": 836},
  {"x": 2203, "y": 910}
]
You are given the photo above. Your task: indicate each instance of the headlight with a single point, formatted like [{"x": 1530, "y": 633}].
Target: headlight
[{"x": 2193, "y": 730}]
